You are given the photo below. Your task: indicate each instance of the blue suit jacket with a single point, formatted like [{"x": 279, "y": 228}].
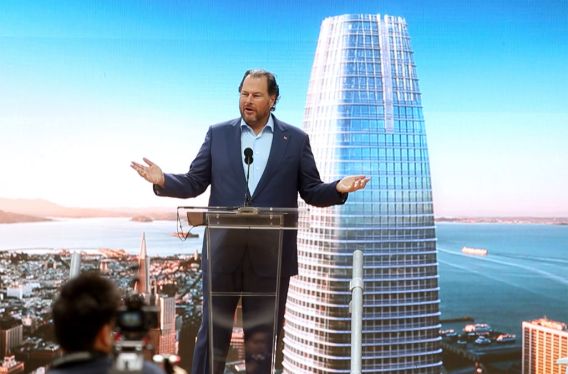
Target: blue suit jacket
[{"x": 291, "y": 169}]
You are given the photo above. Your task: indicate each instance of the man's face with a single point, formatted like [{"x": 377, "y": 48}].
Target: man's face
[{"x": 255, "y": 102}]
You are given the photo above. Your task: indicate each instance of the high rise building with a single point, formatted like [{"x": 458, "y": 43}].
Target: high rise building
[
  {"x": 11, "y": 335},
  {"x": 163, "y": 337},
  {"x": 75, "y": 267},
  {"x": 364, "y": 117},
  {"x": 104, "y": 265},
  {"x": 142, "y": 285},
  {"x": 544, "y": 342}
]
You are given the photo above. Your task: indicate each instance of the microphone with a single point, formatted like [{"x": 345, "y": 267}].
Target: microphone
[
  {"x": 248, "y": 157},
  {"x": 248, "y": 160}
]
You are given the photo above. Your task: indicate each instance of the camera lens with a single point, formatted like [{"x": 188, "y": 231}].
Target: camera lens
[{"x": 130, "y": 320}]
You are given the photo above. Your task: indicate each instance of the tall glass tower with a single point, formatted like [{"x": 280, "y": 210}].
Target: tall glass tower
[{"x": 364, "y": 116}]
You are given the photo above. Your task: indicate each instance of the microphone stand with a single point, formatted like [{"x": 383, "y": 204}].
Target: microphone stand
[
  {"x": 247, "y": 193},
  {"x": 248, "y": 160}
]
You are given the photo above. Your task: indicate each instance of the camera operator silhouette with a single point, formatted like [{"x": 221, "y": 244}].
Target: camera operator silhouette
[{"x": 84, "y": 316}]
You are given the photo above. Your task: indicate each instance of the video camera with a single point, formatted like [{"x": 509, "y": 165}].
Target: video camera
[
  {"x": 135, "y": 318},
  {"x": 133, "y": 322}
]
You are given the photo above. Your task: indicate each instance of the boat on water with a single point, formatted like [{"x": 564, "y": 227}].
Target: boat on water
[
  {"x": 478, "y": 328},
  {"x": 482, "y": 340},
  {"x": 506, "y": 338},
  {"x": 450, "y": 333},
  {"x": 185, "y": 235},
  {"x": 474, "y": 251}
]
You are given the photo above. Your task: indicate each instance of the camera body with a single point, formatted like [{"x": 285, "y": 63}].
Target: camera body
[
  {"x": 133, "y": 322},
  {"x": 135, "y": 318}
]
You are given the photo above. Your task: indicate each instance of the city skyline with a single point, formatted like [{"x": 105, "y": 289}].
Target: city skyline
[
  {"x": 26, "y": 318},
  {"x": 87, "y": 89}
]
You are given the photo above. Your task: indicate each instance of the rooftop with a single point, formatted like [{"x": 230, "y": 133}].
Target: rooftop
[{"x": 555, "y": 325}]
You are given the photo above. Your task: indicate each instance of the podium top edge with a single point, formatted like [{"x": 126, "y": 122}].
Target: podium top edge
[{"x": 240, "y": 209}]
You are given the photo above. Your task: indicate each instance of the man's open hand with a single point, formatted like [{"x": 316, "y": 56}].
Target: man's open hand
[
  {"x": 352, "y": 183},
  {"x": 152, "y": 173}
]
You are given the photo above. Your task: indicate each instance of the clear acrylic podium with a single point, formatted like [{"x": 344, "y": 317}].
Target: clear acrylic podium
[{"x": 243, "y": 249}]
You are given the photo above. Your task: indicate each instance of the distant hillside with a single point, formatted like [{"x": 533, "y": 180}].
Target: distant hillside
[
  {"x": 161, "y": 213},
  {"x": 9, "y": 217},
  {"x": 39, "y": 207},
  {"x": 45, "y": 208},
  {"x": 511, "y": 220}
]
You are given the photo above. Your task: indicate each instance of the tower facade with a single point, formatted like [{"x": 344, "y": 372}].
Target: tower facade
[
  {"x": 364, "y": 117},
  {"x": 544, "y": 342}
]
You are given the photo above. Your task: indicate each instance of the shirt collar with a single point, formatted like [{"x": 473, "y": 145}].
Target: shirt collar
[{"x": 269, "y": 124}]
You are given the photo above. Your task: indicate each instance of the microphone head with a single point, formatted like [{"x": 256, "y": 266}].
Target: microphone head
[{"x": 248, "y": 156}]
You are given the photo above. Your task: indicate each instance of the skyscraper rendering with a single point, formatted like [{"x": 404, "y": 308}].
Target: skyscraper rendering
[
  {"x": 544, "y": 342},
  {"x": 364, "y": 117}
]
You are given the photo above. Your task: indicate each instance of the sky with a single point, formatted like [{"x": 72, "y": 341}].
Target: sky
[{"x": 88, "y": 86}]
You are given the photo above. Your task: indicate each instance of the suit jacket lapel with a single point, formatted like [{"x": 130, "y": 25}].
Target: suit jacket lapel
[
  {"x": 277, "y": 152},
  {"x": 234, "y": 152}
]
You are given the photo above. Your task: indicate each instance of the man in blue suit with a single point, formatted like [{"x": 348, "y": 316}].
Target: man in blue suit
[{"x": 283, "y": 167}]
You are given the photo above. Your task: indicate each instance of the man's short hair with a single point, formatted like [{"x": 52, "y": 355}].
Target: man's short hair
[
  {"x": 86, "y": 303},
  {"x": 273, "y": 89}
]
